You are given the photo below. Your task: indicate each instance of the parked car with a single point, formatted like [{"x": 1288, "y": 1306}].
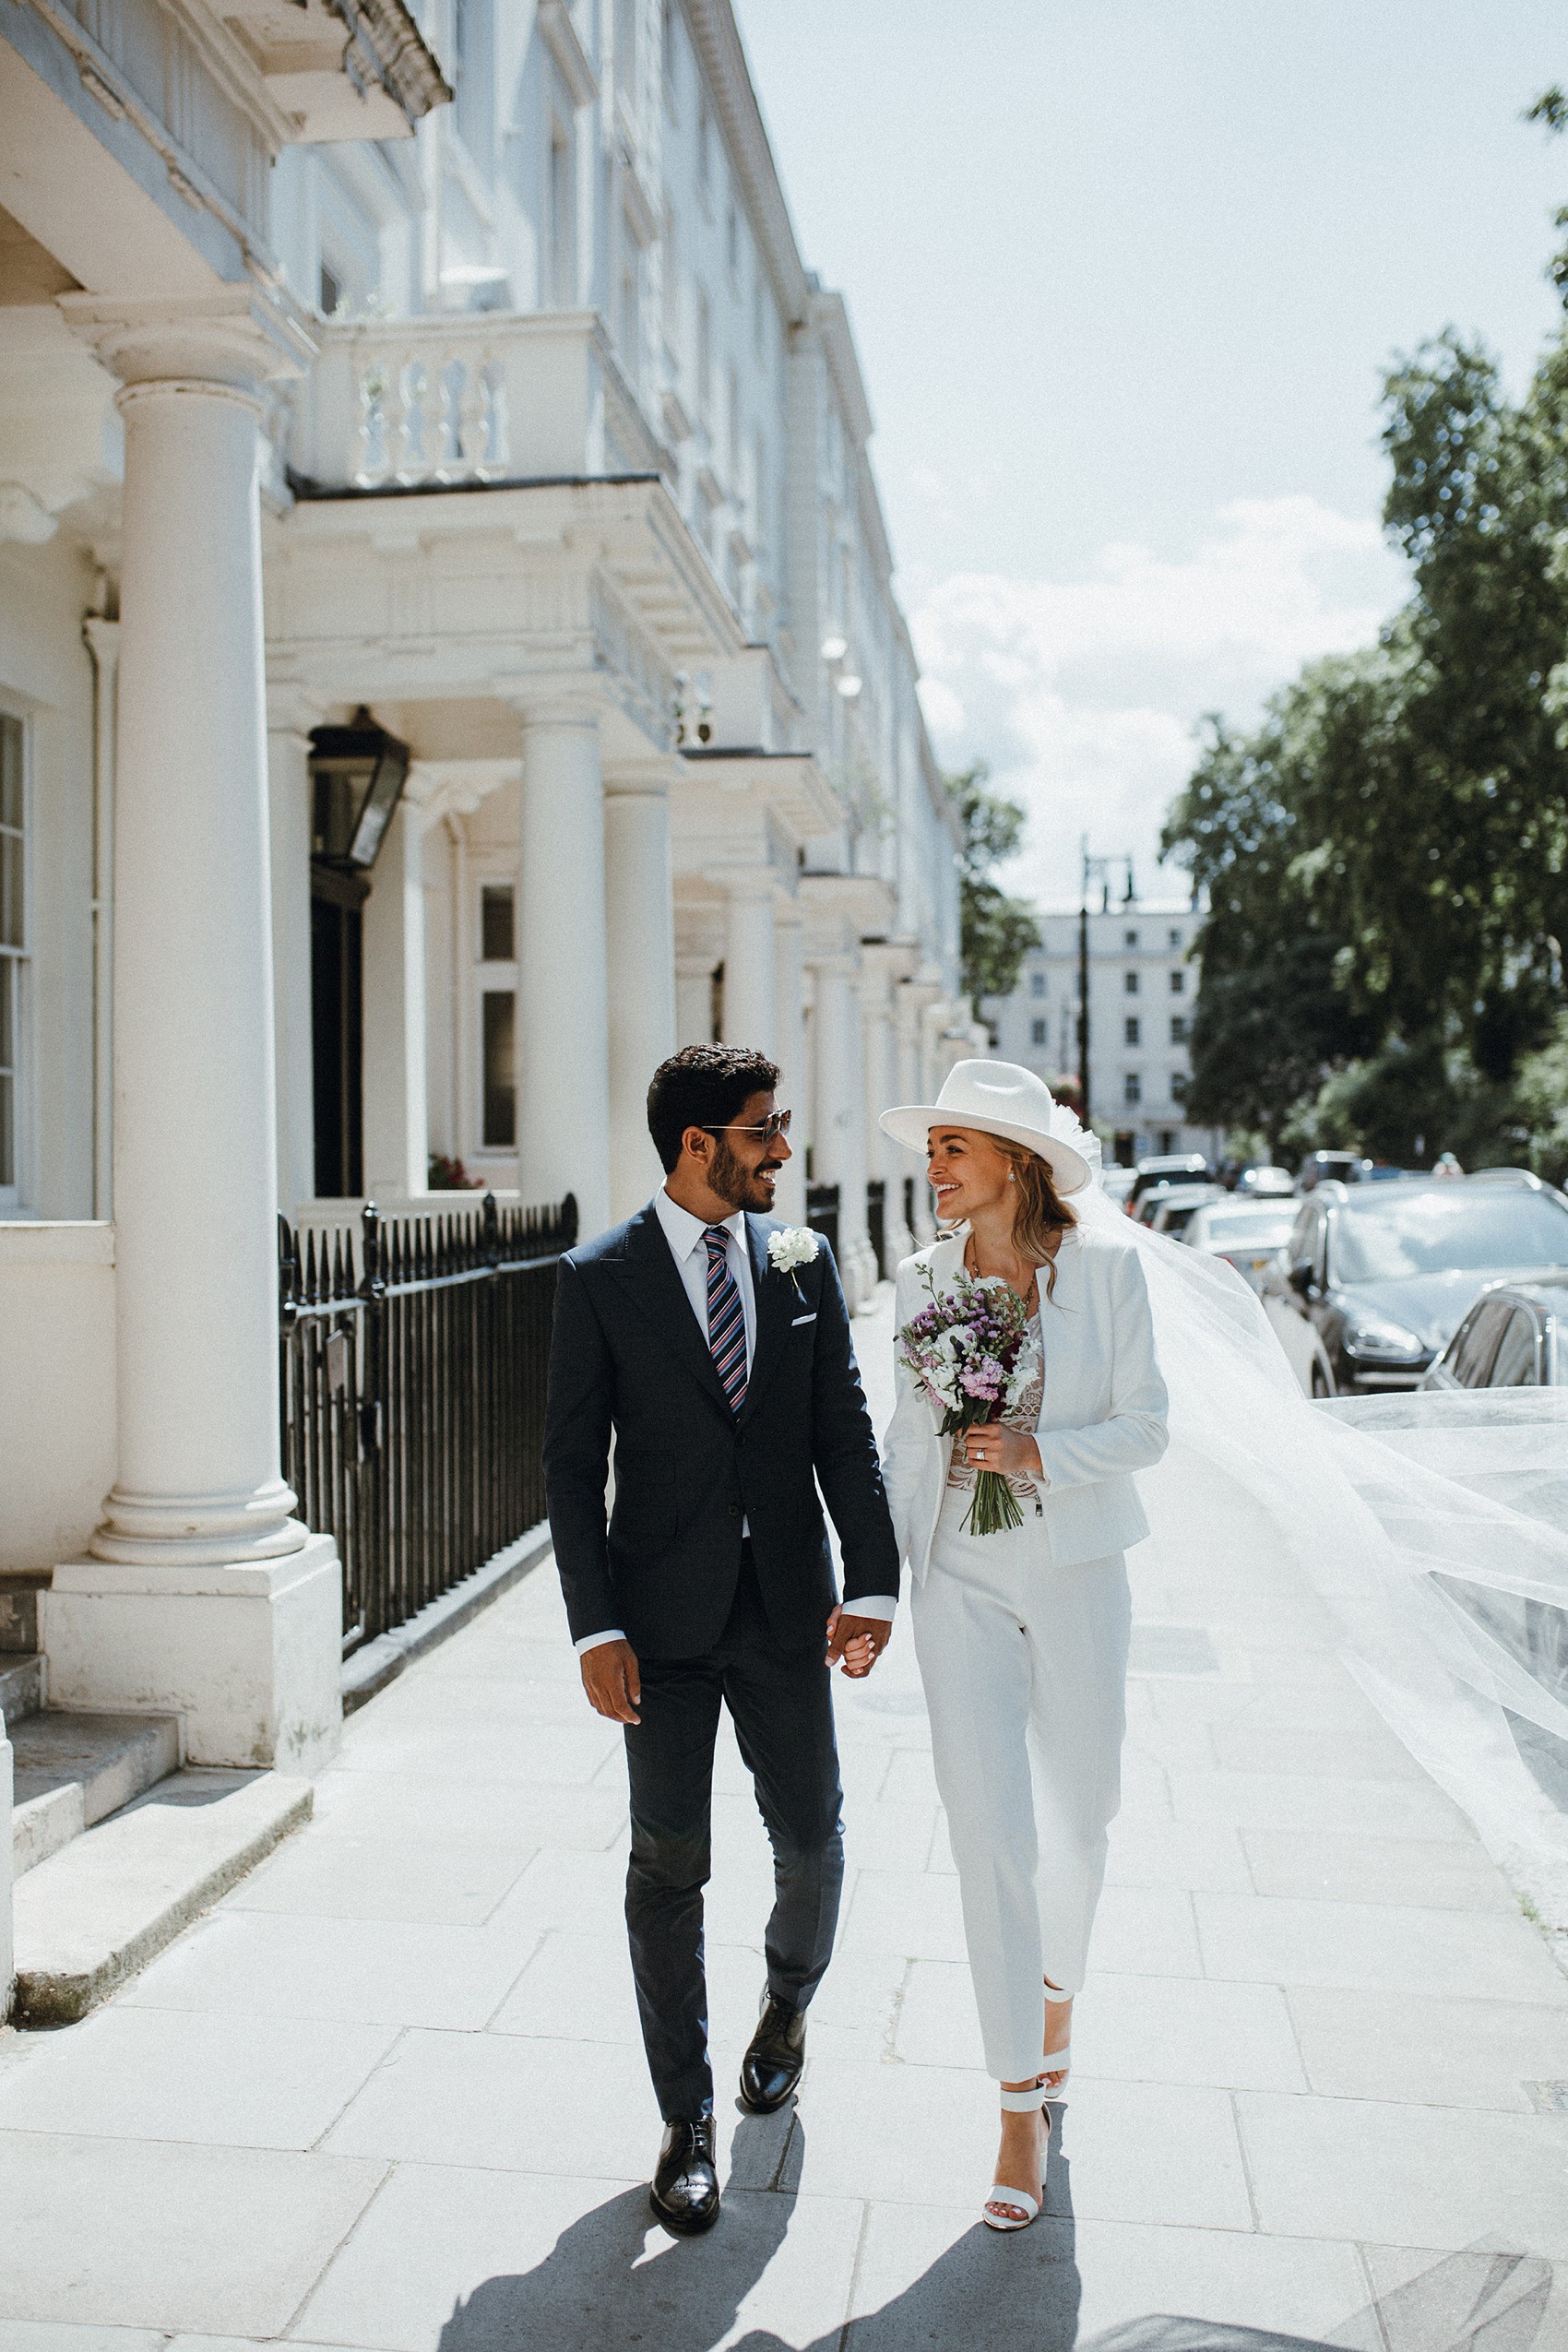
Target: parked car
[
  {"x": 1117, "y": 1184},
  {"x": 1248, "y": 1234},
  {"x": 1169, "y": 1207},
  {"x": 1515, "y": 1337},
  {"x": 1343, "y": 1167},
  {"x": 1170, "y": 1168},
  {"x": 1374, "y": 1279},
  {"x": 1263, "y": 1181}
]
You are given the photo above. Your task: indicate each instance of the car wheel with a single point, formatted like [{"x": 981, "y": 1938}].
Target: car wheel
[{"x": 1322, "y": 1385}]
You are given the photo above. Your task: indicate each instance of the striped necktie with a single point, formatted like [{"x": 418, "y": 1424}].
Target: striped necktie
[{"x": 726, "y": 1318}]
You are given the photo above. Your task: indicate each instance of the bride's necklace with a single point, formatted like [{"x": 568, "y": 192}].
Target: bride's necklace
[{"x": 1029, "y": 1297}]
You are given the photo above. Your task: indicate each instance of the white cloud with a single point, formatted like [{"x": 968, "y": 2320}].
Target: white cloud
[{"x": 1083, "y": 694}]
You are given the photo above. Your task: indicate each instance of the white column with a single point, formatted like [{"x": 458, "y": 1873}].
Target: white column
[
  {"x": 290, "y": 719},
  {"x": 395, "y": 1063},
  {"x": 789, "y": 1053},
  {"x": 205, "y": 1596},
  {"x": 562, "y": 997},
  {"x": 885, "y": 1159},
  {"x": 8, "y": 1956},
  {"x": 840, "y": 1146},
  {"x": 911, "y": 1089},
  {"x": 640, "y": 920},
  {"x": 751, "y": 1007}
]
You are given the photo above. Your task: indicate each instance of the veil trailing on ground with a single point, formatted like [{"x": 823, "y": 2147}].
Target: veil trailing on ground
[{"x": 1434, "y": 1526}]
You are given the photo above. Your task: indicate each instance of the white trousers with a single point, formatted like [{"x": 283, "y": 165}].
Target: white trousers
[{"x": 1025, "y": 1668}]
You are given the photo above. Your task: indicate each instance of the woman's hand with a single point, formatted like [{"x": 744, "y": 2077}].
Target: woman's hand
[{"x": 994, "y": 1446}]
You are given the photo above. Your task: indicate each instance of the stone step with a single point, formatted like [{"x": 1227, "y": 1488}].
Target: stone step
[
  {"x": 89, "y": 1917},
  {"x": 74, "y": 1770},
  {"x": 21, "y": 1687}
]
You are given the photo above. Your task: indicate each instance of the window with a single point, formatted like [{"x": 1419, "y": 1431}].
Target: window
[
  {"x": 500, "y": 1070},
  {"x": 12, "y": 948},
  {"x": 1178, "y": 983},
  {"x": 1178, "y": 1028},
  {"x": 629, "y": 324},
  {"x": 495, "y": 923},
  {"x": 1130, "y": 1031},
  {"x": 1176, "y": 939},
  {"x": 1179, "y": 1084},
  {"x": 1471, "y": 1360},
  {"x": 470, "y": 75},
  {"x": 562, "y": 216},
  {"x": 1037, "y": 983},
  {"x": 1037, "y": 1033},
  {"x": 1515, "y": 1366},
  {"x": 1132, "y": 938},
  {"x": 1132, "y": 1088},
  {"x": 1167, "y": 1139},
  {"x": 705, "y": 357},
  {"x": 331, "y": 292},
  {"x": 1129, "y": 983}
]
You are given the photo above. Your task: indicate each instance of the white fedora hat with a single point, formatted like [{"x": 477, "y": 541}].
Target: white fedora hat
[{"x": 1000, "y": 1099}]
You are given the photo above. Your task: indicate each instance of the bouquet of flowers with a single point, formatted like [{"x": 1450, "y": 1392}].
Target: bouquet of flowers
[{"x": 973, "y": 1352}]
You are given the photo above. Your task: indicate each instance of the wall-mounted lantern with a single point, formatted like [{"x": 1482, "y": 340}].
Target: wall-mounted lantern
[{"x": 357, "y": 774}]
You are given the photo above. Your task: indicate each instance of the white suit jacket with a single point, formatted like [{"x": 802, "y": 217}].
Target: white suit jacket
[{"x": 1102, "y": 1416}]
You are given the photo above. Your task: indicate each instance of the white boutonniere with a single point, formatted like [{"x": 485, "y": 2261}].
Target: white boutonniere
[{"x": 796, "y": 1245}]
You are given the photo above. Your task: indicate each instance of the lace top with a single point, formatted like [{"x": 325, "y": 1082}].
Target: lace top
[{"x": 1023, "y": 1415}]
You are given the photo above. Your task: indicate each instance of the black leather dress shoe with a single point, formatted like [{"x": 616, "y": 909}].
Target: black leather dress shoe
[
  {"x": 771, "y": 2067},
  {"x": 685, "y": 2187}
]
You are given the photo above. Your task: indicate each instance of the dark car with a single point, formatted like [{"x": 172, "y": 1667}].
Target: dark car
[
  {"x": 1168, "y": 1168},
  {"x": 1319, "y": 1167},
  {"x": 1515, "y": 1337},
  {"x": 1373, "y": 1282}
]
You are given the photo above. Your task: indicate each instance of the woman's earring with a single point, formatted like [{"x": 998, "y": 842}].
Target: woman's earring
[{"x": 1010, "y": 1178}]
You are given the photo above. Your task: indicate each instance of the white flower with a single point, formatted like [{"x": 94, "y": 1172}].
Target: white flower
[{"x": 796, "y": 1245}]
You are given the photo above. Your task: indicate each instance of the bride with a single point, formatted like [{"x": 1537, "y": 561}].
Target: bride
[
  {"x": 1435, "y": 1530},
  {"x": 1022, "y": 1634}
]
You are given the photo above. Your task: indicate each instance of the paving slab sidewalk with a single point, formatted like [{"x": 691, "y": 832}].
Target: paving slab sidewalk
[{"x": 388, "y": 2093}]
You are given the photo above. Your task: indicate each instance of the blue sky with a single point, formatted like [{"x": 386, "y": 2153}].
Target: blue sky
[{"x": 1126, "y": 275}]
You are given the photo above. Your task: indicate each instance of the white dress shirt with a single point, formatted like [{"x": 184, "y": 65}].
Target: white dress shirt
[{"x": 686, "y": 1235}]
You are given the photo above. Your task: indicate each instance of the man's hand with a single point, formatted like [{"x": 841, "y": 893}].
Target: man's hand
[
  {"x": 858, "y": 1642},
  {"x": 612, "y": 1680}
]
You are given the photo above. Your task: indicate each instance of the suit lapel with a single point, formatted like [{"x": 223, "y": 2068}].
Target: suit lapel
[
  {"x": 648, "y": 1272},
  {"x": 776, "y": 1297}
]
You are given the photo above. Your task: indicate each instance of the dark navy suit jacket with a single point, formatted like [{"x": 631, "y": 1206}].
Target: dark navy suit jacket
[{"x": 629, "y": 1356}]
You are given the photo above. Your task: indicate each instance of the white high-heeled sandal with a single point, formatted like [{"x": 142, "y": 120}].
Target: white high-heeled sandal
[{"x": 1002, "y": 2192}]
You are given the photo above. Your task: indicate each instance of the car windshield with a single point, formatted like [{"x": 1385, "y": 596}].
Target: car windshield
[
  {"x": 1260, "y": 1229},
  {"x": 1446, "y": 1230}
]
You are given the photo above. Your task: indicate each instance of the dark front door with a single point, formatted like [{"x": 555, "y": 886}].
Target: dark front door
[{"x": 337, "y": 926}]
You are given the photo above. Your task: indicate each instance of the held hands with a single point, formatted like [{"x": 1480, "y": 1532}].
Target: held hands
[
  {"x": 991, "y": 1445},
  {"x": 856, "y": 1643},
  {"x": 612, "y": 1680}
]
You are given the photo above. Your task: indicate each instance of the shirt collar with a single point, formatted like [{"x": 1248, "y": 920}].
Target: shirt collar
[{"x": 684, "y": 1232}]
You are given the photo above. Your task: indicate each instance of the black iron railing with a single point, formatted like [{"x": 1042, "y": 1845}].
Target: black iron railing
[
  {"x": 877, "y": 1224},
  {"x": 413, "y": 1393},
  {"x": 822, "y": 1213}
]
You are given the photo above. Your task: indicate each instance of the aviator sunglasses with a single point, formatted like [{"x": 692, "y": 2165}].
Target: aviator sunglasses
[{"x": 777, "y": 1125}]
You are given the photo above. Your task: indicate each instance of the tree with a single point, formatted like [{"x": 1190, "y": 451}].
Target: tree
[{"x": 995, "y": 931}]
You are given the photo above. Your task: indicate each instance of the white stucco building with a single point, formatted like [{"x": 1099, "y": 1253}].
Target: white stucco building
[
  {"x": 517, "y": 423},
  {"x": 1143, "y": 985}
]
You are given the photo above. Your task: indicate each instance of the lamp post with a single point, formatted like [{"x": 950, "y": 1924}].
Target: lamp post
[{"x": 1094, "y": 868}]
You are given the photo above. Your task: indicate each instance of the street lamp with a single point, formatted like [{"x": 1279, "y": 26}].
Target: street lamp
[
  {"x": 357, "y": 774},
  {"x": 1093, "y": 870}
]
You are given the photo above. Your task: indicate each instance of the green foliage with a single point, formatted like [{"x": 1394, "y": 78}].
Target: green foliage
[
  {"x": 995, "y": 931},
  {"x": 1386, "y": 857}
]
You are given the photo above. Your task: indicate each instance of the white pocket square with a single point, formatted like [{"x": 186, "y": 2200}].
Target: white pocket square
[{"x": 798, "y": 1320}]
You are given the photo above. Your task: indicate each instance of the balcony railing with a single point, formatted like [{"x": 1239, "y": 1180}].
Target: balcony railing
[
  {"x": 412, "y": 1394},
  {"x": 438, "y": 402}
]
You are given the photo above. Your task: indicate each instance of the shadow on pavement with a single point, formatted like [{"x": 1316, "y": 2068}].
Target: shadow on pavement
[{"x": 598, "y": 2289}]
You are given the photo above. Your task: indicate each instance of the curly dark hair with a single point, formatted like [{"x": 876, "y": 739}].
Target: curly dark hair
[{"x": 702, "y": 1085}]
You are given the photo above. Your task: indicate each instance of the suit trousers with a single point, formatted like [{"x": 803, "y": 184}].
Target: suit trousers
[
  {"x": 781, "y": 1703},
  {"x": 1024, "y": 1667}
]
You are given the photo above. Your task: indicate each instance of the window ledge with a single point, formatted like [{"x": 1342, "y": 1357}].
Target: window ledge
[{"x": 56, "y": 1242}]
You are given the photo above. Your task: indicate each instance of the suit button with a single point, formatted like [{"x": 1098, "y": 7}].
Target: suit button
[{"x": 734, "y": 1511}]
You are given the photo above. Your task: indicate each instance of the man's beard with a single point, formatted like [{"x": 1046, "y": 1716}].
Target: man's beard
[{"x": 739, "y": 1186}]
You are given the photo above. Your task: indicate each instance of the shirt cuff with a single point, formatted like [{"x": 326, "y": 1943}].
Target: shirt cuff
[
  {"x": 596, "y": 1640},
  {"x": 875, "y": 1605}
]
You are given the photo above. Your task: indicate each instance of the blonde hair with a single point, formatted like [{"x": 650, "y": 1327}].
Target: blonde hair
[{"x": 1041, "y": 1216}]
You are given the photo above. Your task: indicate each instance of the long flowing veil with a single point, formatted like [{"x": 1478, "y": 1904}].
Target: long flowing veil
[{"x": 1434, "y": 1528}]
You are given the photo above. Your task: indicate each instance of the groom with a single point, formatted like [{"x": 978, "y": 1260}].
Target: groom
[{"x": 729, "y": 1384}]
